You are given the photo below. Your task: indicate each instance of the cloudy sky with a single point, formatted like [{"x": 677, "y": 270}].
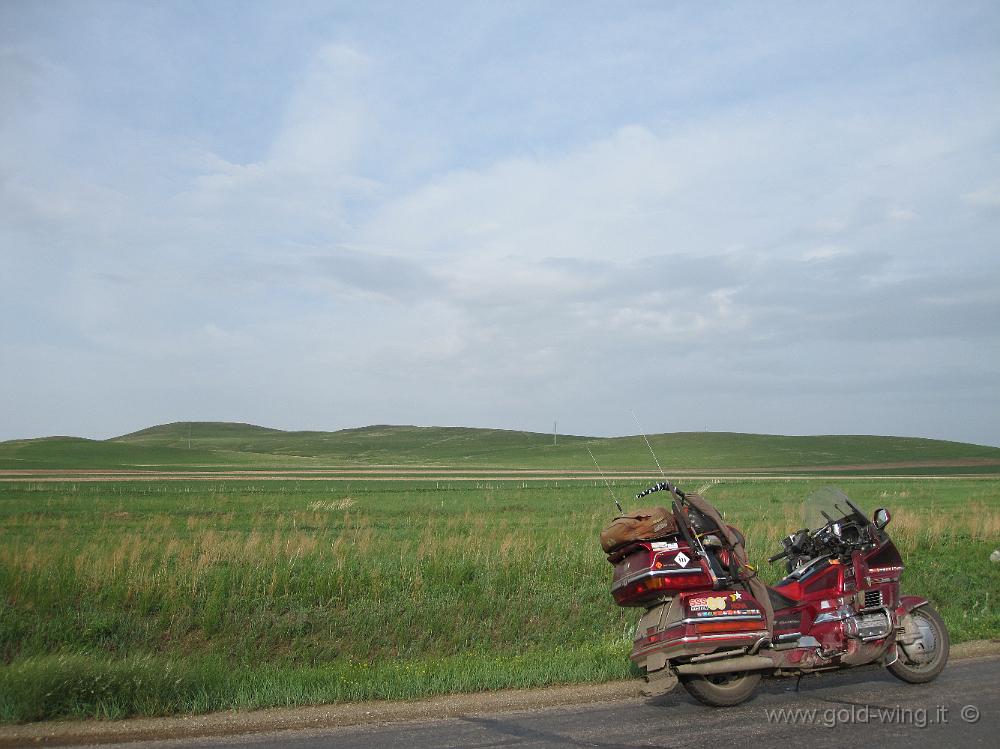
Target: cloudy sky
[{"x": 761, "y": 217}]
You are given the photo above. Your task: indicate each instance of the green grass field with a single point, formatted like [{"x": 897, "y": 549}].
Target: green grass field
[
  {"x": 220, "y": 446},
  {"x": 153, "y": 598}
]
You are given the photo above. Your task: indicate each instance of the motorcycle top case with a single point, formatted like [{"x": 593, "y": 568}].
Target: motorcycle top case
[
  {"x": 647, "y": 571},
  {"x": 641, "y": 525}
]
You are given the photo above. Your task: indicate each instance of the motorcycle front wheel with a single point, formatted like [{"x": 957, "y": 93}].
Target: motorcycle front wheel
[
  {"x": 722, "y": 690},
  {"x": 925, "y": 666}
]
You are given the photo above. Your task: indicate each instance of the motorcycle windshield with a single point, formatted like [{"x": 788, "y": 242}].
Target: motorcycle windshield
[{"x": 830, "y": 504}]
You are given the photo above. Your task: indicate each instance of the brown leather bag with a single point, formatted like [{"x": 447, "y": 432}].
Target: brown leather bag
[{"x": 639, "y": 525}]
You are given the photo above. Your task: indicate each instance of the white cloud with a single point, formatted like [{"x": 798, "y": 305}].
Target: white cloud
[
  {"x": 826, "y": 252},
  {"x": 901, "y": 214},
  {"x": 326, "y": 118},
  {"x": 987, "y": 197}
]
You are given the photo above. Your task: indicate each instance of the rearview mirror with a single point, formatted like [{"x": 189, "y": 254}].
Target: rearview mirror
[{"x": 881, "y": 518}]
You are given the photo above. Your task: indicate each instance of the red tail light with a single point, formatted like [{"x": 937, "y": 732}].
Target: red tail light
[
  {"x": 730, "y": 626},
  {"x": 655, "y": 584}
]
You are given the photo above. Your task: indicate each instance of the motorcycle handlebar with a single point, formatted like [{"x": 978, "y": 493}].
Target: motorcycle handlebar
[
  {"x": 662, "y": 486},
  {"x": 776, "y": 557}
]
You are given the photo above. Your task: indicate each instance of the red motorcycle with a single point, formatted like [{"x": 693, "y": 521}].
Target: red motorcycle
[{"x": 711, "y": 624}]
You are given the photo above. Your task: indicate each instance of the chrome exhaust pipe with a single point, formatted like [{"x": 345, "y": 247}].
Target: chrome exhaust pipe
[{"x": 743, "y": 663}]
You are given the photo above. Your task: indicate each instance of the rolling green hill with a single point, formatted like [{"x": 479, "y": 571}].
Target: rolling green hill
[
  {"x": 378, "y": 445},
  {"x": 210, "y": 445},
  {"x": 180, "y": 431},
  {"x": 77, "y": 453}
]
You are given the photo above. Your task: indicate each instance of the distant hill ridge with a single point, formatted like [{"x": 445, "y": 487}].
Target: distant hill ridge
[
  {"x": 184, "y": 445},
  {"x": 200, "y": 429}
]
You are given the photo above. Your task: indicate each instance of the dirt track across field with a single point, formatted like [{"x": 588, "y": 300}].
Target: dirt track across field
[{"x": 429, "y": 473}]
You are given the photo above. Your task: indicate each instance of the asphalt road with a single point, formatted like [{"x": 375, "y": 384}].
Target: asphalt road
[{"x": 862, "y": 707}]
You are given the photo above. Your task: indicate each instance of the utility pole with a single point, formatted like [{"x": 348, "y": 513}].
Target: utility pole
[{"x": 555, "y": 432}]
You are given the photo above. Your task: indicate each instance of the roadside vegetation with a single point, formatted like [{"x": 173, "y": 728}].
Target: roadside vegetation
[{"x": 153, "y": 598}]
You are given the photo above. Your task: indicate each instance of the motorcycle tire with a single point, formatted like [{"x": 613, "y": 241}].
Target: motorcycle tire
[
  {"x": 722, "y": 690},
  {"x": 920, "y": 673}
]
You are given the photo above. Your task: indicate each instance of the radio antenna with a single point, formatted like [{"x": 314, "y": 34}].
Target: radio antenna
[
  {"x": 655, "y": 459},
  {"x": 617, "y": 503}
]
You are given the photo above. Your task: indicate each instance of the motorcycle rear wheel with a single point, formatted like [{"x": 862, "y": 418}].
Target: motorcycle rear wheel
[
  {"x": 722, "y": 690},
  {"x": 927, "y": 670}
]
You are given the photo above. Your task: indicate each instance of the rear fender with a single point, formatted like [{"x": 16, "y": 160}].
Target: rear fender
[{"x": 909, "y": 603}]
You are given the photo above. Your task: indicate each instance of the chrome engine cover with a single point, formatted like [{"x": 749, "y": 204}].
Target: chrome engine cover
[{"x": 873, "y": 625}]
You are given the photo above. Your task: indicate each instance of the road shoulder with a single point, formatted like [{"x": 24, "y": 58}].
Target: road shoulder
[{"x": 54, "y": 733}]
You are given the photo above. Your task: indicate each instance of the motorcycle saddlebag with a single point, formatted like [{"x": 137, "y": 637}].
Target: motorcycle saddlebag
[{"x": 640, "y": 525}]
